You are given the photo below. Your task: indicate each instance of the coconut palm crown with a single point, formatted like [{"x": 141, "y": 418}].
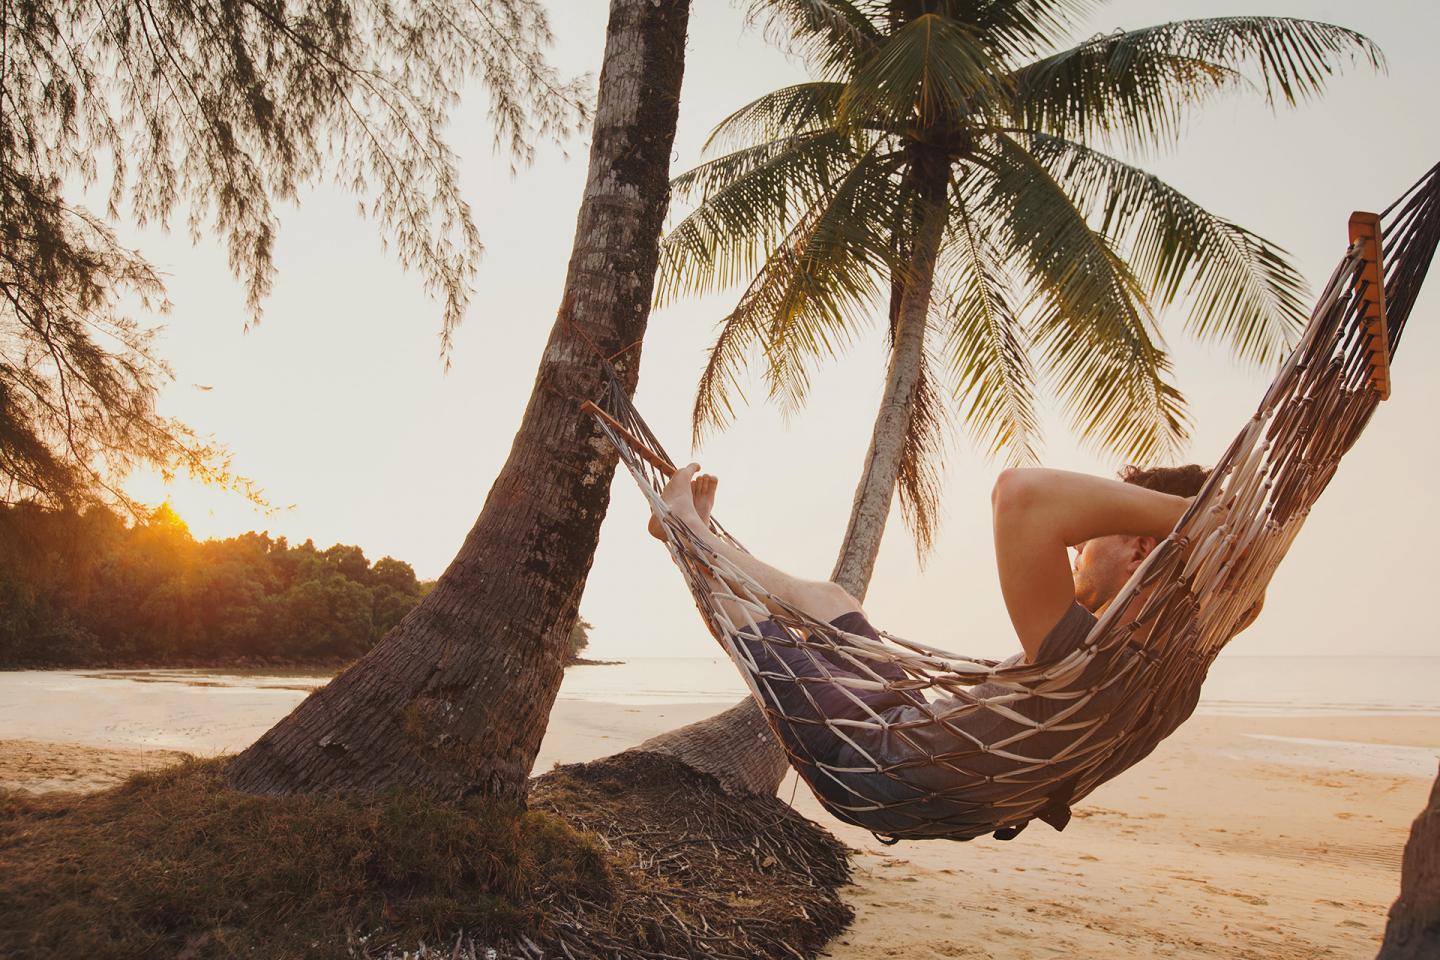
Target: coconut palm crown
[{"x": 947, "y": 162}]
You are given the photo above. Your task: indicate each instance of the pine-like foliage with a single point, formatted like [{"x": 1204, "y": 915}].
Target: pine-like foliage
[{"x": 217, "y": 111}]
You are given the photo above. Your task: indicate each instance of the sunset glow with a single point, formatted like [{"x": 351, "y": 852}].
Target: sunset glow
[{"x": 209, "y": 512}]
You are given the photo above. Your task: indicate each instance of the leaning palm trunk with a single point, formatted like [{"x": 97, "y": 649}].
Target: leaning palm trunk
[
  {"x": 1413, "y": 932},
  {"x": 735, "y": 747},
  {"x": 455, "y": 699},
  {"x": 876, "y": 491}
]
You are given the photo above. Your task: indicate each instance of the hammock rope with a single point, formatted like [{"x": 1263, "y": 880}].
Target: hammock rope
[{"x": 957, "y": 765}]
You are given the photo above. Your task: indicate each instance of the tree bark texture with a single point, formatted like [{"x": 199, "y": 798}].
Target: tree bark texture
[
  {"x": 736, "y": 747},
  {"x": 876, "y": 491},
  {"x": 455, "y": 699},
  {"x": 1413, "y": 932}
]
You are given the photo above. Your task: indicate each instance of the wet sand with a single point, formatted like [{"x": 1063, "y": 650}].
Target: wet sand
[{"x": 1249, "y": 837}]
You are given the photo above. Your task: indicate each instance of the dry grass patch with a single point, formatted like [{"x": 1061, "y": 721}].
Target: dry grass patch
[
  {"x": 175, "y": 862},
  {"x": 633, "y": 856},
  {"x": 697, "y": 872}
]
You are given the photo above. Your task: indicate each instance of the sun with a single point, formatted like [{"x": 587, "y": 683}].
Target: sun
[
  {"x": 166, "y": 516},
  {"x": 208, "y": 512}
]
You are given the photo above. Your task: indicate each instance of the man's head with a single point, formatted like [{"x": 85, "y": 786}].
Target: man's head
[{"x": 1103, "y": 565}]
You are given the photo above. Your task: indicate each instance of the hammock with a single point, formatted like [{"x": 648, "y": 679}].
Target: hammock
[{"x": 1132, "y": 681}]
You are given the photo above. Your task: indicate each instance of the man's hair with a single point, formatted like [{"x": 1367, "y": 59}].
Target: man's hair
[{"x": 1183, "y": 481}]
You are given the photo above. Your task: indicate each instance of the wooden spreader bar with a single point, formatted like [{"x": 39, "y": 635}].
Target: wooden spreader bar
[
  {"x": 649, "y": 456},
  {"x": 1370, "y": 289}
]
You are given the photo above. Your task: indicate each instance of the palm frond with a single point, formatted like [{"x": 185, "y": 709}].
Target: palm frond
[
  {"x": 1017, "y": 29},
  {"x": 747, "y": 199},
  {"x": 803, "y": 161},
  {"x": 986, "y": 344},
  {"x": 928, "y": 70},
  {"x": 831, "y": 35},
  {"x": 809, "y": 299},
  {"x": 726, "y": 359},
  {"x": 821, "y": 295},
  {"x": 922, "y": 458},
  {"x": 1242, "y": 289},
  {"x": 796, "y": 109},
  {"x": 1138, "y": 84},
  {"x": 1087, "y": 312}
]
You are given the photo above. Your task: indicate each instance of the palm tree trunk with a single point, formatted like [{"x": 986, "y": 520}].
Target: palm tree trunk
[
  {"x": 735, "y": 747},
  {"x": 455, "y": 699},
  {"x": 876, "y": 491},
  {"x": 1413, "y": 932}
]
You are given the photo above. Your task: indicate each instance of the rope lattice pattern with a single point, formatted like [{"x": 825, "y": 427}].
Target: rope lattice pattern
[{"x": 951, "y": 763}]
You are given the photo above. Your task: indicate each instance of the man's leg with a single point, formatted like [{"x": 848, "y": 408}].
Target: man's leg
[
  {"x": 690, "y": 499},
  {"x": 797, "y": 680},
  {"x": 1039, "y": 514}
]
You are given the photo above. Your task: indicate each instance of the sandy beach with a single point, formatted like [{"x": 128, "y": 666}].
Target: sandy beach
[{"x": 1273, "y": 837}]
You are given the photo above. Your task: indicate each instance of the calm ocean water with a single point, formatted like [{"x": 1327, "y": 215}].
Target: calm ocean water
[
  {"x": 212, "y": 712},
  {"x": 1247, "y": 685}
]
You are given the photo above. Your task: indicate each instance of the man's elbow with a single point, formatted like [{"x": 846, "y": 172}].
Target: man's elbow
[{"x": 1015, "y": 491}]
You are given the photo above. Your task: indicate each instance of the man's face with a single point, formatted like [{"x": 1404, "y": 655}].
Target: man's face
[{"x": 1103, "y": 565}]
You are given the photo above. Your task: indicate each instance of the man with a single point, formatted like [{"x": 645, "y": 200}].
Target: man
[{"x": 1039, "y": 514}]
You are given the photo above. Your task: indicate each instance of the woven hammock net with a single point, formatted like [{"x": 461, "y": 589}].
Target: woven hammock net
[{"x": 957, "y": 765}]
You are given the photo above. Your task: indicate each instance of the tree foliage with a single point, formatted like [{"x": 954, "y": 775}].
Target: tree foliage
[
  {"x": 218, "y": 111},
  {"x": 88, "y": 587},
  {"x": 85, "y": 587},
  {"x": 1057, "y": 254},
  {"x": 579, "y": 637}
]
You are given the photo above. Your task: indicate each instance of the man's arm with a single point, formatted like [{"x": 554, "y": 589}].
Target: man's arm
[{"x": 1039, "y": 514}]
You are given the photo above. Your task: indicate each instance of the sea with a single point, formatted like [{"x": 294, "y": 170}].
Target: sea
[
  {"x": 1245, "y": 685},
  {"x": 217, "y": 711}
]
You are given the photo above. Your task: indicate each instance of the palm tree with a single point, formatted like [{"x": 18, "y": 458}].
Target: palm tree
[
  {"x": 454, "y": 700},
  {"x": 948, "y": 163}
]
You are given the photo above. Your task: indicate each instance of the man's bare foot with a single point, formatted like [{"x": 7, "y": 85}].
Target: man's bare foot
[
  {"x": 679, "y": 498},
  {"x": 703, "y": 491}
]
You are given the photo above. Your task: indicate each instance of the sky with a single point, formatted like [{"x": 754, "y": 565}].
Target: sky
[{"x": 338, "y": 406}]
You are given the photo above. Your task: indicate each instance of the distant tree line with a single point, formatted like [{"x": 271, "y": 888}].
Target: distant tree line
[{"x": 86, "y": 588}]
